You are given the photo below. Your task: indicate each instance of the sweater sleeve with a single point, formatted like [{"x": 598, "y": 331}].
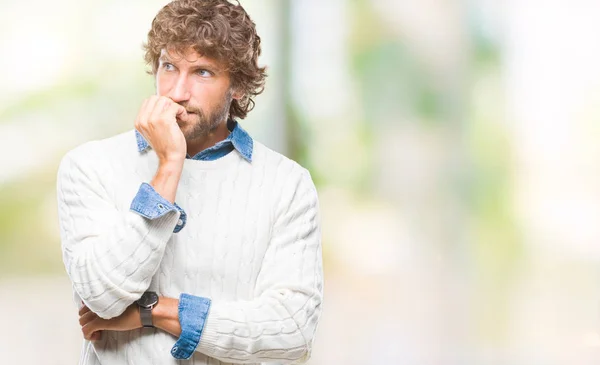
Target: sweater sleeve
[
  {"x": 280, "y": 323},
  {"x": 109, "y": 255}
]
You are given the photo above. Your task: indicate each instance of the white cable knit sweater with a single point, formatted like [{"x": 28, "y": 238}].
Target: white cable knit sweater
[{"x": 252, "y": 244}]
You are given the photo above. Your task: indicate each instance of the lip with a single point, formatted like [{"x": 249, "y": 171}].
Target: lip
[{"x": 186, "y": 116}]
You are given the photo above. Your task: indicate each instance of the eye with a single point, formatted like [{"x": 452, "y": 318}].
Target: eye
[
  {"x": 168, "y": 67},
  {"x": 204, "y": 73}
]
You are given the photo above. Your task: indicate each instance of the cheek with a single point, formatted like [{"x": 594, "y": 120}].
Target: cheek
[
  {"x": 161, "y": 86},
  {"x": 200, "y": 91},
  {"x": 214, "y": 95},
  {"x": 164, "y": 83},
  {"x": 202, "y": 97}
]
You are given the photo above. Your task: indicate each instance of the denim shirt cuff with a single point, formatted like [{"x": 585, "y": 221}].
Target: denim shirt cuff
[
  {"x": 150, "y": 204},
  {"x": 193, "y": 311}
]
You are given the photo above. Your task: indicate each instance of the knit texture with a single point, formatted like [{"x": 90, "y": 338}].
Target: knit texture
[{"x": 252, "y": 244}]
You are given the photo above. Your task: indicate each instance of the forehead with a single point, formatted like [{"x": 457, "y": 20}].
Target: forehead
[{"x": 190, "y": 57}]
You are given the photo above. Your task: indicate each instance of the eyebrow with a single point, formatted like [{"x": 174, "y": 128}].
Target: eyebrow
[{"x": 207, "y": 66}]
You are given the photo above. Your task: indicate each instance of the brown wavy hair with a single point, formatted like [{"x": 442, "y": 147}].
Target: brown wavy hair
[{"x": 217, "y": 29}]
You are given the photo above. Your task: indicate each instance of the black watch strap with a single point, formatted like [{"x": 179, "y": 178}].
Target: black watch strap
[
  {"x": 145, "y": 304},
  {"x": 146, "y": 316}
]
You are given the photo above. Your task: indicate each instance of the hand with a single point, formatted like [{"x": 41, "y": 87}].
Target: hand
[
  {"x": 157, "y": 122},
  {"x": 92, "y": 325}
]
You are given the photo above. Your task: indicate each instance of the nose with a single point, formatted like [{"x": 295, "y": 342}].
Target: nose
[{"x": 180, "y": 91}]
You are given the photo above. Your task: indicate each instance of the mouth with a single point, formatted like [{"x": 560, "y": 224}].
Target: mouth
[{"x": 186, "y": 116}]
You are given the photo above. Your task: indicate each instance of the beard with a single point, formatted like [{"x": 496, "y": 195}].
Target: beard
[{"x": 200, "y": 124}]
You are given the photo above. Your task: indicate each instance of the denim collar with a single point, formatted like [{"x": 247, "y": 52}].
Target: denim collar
[{"x": 238, "y": 137}]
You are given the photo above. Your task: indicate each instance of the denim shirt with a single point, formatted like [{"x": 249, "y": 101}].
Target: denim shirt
[{"x": 148, "y": 203}]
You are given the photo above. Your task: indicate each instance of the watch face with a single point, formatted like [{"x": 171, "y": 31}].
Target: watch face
[{"x": 149, "y": 299}]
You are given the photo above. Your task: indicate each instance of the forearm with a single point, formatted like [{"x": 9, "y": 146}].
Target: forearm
[
  {"x": 279, "y": 324},
  {"x": 262, "y": 330},
  {"x": 109, "y": 255},
  {"x": 111, "y": 271},
  {"x": 268, "y": 329},
  {"x": 167, "y": 178}
]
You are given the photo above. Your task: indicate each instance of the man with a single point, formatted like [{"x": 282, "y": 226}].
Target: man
[{"x": 184, "y": 238}]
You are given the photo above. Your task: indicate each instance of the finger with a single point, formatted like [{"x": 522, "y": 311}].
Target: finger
[
  {"x": 89, "y": 328},
  {"x": 88, "y": 336},
  {"x": 147, "y": 112},
  {"x": 144, "y": 104},
  {"x": 96, "y": 336},
  {"x": 176, "y": 110},
  {"x": 140, "y": 112},
  {"x": 83, "y": 310},
  {"x": 161, "y": 105},
  {"x": 167, "y": 103},
  {"x": 87, "y": 332},
  {"x": 87, "y": 318}
]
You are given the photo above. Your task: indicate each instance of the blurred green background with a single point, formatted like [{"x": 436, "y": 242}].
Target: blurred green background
[{"x": 454, "y": 144}]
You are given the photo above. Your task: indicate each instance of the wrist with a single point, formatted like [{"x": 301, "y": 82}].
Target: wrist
[
  {"x": 173, "y": 157},
  {"x": 146, "y": 304},
  {"x": 170, "y": 166},
  {"x": 166, "y": 315},
  {"x": 166, "y": 180},
  {"x": 164, "y": 310}
]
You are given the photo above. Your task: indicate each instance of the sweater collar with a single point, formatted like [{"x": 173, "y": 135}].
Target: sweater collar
[{"x": 238, "y": 137}]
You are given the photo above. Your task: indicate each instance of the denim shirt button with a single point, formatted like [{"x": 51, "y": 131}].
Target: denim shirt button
[
  {"x": 161, "y": 206},
  {"x": 174, "y": 350},
  {"x": 179, "y": 222}
]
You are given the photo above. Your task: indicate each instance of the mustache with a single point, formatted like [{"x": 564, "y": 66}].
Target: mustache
[{"x": 190, "y": 108}]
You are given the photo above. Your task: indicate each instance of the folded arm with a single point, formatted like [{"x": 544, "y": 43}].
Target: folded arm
[
  {"x": 279, "y": 324},
  {"x": 109, "y": 255}
]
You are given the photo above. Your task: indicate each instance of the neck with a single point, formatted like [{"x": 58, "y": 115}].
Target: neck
[{"x": 207, "y": 140}]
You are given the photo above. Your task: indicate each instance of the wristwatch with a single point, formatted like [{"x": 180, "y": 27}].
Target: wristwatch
[{"x": 148, "y": 301}]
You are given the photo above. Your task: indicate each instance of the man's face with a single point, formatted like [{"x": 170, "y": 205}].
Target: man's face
[{"x": 199, "y": 84}]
